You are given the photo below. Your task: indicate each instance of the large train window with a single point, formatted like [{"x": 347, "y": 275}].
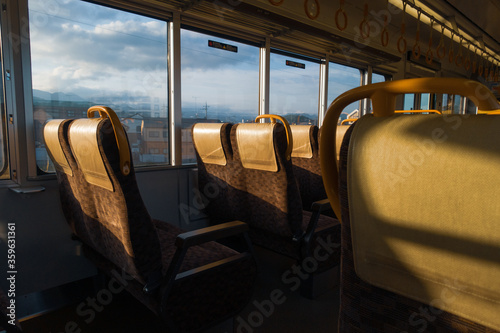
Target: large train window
[
  {"x": 294, "y": 87},
  {"x": 341, "y": 79},
  {"x": 220, "y": 83},
  {"x": 84, "y": 54}
]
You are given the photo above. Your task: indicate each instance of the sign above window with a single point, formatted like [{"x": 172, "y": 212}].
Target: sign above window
[{"x": 222, "y": 46}]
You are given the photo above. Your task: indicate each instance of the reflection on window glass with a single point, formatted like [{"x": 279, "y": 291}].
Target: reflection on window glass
[
  {"x": 84, "y": 54},
  {"x": 457, "y": 105},
  {"x": 447, "y": 107},
  {"x": 424, "y": 102},
  {"x": 4, "y": 162},
  {"x": 294, "y": 89},
  {"x": 470, "y": 107},
  {"x": 217, "y": 85},
  {"x": 409, "y": 101},
  {"x": 341, "y": 79}
]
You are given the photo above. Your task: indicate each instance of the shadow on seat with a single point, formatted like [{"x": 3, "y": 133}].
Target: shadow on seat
[
  {"x": 306, "y": 164},
  {"x": 272, "y": 202},
  {"x": 420, "y": 233},
  {"x": 187, "y": 278}
]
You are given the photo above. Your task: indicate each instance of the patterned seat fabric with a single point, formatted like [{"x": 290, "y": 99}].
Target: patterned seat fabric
[
  {"x": 213, "y": 183},
  {"x": 270, "y": 203},
  {"x": 120, "y": 236},
  {"x": 366, "y": 308},
  {"x": 308, "y": 172}
]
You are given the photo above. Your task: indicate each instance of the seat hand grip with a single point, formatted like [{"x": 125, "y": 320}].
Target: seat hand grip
[
  {"x": 383, "y": 96},
  {"x": 121, "y": 139}
]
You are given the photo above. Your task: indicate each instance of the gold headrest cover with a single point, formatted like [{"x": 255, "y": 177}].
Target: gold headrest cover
[
  {"x": 85, "y": 146},
  {"x": 424, "y": 211},
  {"x": 302, "y": 146},
  {"x": 256, "y": 146},
  {"x": 288, "y": 131},
  {"x": 208, "y": 143},
  {"x": 53, "y": 145}
]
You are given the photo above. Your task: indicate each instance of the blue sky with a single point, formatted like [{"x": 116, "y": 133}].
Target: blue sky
[{"x": 94, "y": 51}]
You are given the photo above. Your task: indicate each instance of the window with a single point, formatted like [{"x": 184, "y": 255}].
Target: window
[
  {"x": 457, "y": 104},
  {"x": 218, "y": 85},
  {"x": 83, "y": 54},
  {"x": 447, "y": 107},
  {"x": 425, "y": 102},
  {"x": 154, "y": 134},
  {"x": 294, "y": 88},
  {"x": 377, "y": 78},
  {"x": 341, "y": 79},
  {"x": 409, "y": 101}
]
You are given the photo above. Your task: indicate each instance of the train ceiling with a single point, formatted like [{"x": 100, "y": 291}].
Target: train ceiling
[{"x": 377, "y": 32}]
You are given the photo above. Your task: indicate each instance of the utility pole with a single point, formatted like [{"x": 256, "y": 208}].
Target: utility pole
[{"x": 205, "y": 107}]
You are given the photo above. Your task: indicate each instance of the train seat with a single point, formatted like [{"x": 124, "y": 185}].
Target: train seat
[
  {"x": 420, "y": 232},
  {"x": 186, "y": 278},
  {"x": 271, "y": 195},
  {"x": 306, "y": 164},
  {"x": 215, "y": 157},
  {"x": 341, "y": 130}
]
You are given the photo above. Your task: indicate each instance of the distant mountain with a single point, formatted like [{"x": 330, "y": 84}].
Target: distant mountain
[
  {"x": 299, "y": 118},
  {"x": 57, "y": 96}
]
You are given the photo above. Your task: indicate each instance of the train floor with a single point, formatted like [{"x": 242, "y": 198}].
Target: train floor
[{"x": 276, "y": 306}]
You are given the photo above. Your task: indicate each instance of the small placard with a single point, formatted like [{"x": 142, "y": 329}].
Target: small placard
[
  {"x": 295, "y": 64},
  {"x": 222, "y": 46}
]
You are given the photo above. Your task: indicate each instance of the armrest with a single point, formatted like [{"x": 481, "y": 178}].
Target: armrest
[
  {"x": 207, "y": 234},
  {"x": 321, "y": 205},
  {"x": 317, "y": 208},
  {"x": 190, "y": 238}
]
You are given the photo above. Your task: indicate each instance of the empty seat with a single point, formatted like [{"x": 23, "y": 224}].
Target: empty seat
[
  {"x": 215, "y": 156},
  {"x": 306, "y": 164},
  {"x": 420, "y": 232},
  {"x": 271, "y": 197},
  {"x": 186, "y": 278}
]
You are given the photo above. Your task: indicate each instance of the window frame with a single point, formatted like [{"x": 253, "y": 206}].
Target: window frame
[
  {"x": 23, "y": 153},
  {"x": 33, "y": 171}
]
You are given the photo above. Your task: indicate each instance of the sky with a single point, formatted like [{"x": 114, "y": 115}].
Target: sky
[{"x": 96, "y": 52}]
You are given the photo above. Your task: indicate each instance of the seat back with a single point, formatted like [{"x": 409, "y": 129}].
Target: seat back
[
  {"x": 214, "y": 155},
  {"x": 103, "y": 203},
  {"x": 306, "y": 164},
  {"x": 271, "y": 194},
  {"x": 419, "y": 231}
]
